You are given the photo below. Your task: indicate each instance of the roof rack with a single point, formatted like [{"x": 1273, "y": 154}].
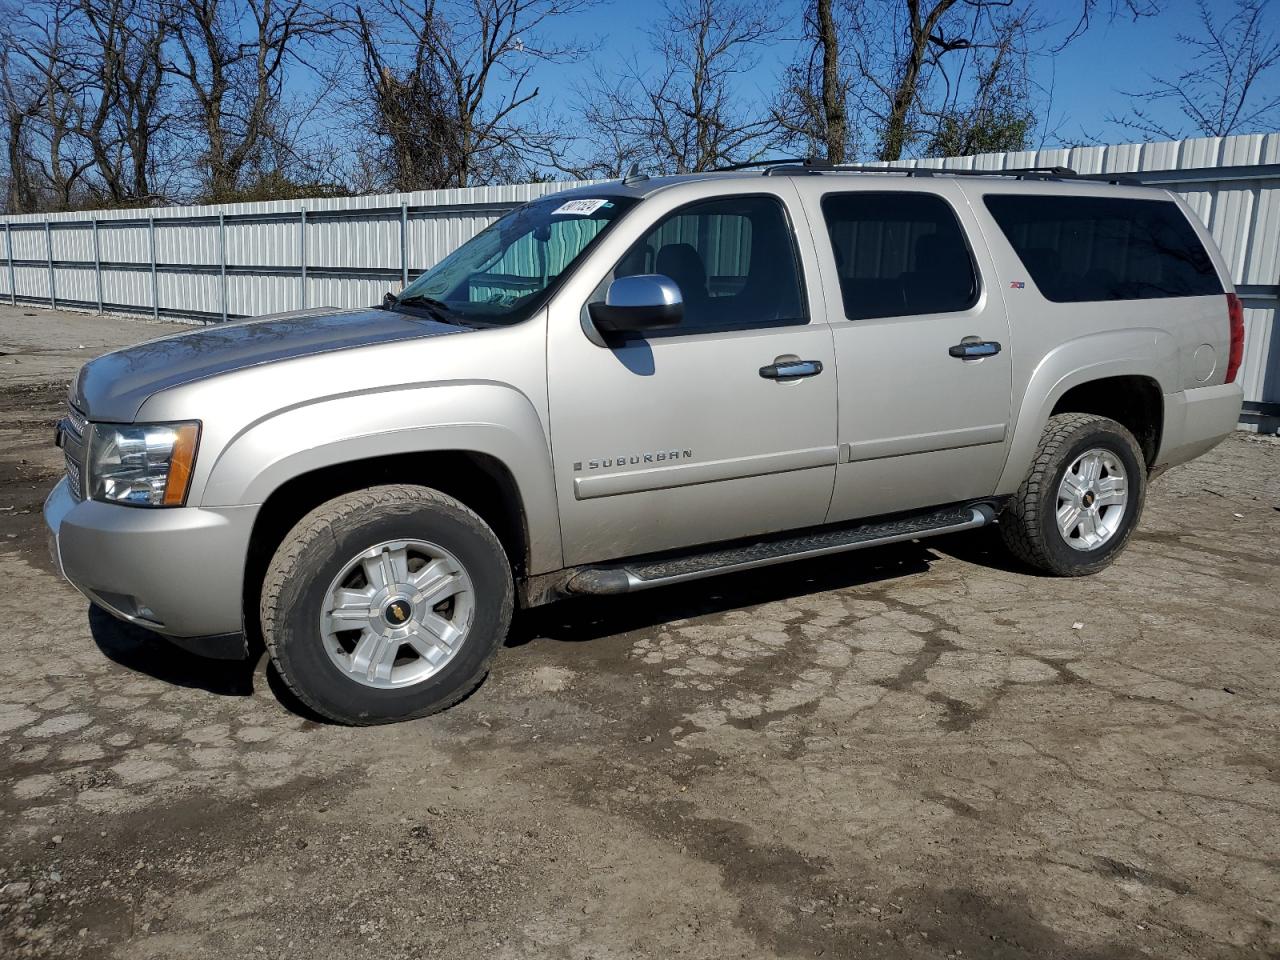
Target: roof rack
[
  {"x": 748, "y": 164},
  {"x": 814, "y": 166},
  {"x": 809, "y": 166},
  {"x": 1019, "y": 172}
]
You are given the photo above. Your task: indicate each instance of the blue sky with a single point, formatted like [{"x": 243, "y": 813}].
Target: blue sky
[{"x": 1086, "y": 79}]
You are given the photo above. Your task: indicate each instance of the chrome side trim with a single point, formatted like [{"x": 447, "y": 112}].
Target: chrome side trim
[
  {"x": 687, "y": 474},
  {"x": 922, "y": 443},
  {"x": 980, "y": 516}
]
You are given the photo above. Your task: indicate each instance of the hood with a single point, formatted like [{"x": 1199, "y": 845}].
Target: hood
[{"x": 114, "y": 386}]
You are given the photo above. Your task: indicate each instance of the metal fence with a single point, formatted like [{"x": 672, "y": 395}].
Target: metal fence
[{"x": 215, "y": 263}]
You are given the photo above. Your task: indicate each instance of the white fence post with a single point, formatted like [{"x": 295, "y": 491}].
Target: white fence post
[
  {"x": 222, "y": 260},
  {"x": 302, "y": 256},
  {"x": 97, "y": 265},
  {"x": 48, "y": 243},
  {"x": 404, "y": 245},
  {"x": 8, "y": 246},
  {"x": 155, "y": 283}
]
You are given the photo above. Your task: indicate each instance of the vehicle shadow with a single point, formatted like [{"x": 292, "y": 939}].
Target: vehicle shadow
[
  {"x": 145, "y": 652},
  {"x": 592, "y": 618},
  {"x": 573, "y": 621},
  {"x": 983, "y": 548}
]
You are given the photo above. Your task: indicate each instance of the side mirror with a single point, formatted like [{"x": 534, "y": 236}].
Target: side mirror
[{"x": 632, "y": 304}]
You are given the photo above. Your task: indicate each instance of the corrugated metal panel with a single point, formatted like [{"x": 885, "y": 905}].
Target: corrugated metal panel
[
  {"x": 354, "y": 244},
  {"x": 1262, "y": 265},
  {"x": 1262, "y": 348}
]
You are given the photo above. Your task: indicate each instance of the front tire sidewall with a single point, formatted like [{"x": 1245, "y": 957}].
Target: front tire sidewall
[
  {"x": 1062, "y": 556},
  {"x": 300, "y": 652}
]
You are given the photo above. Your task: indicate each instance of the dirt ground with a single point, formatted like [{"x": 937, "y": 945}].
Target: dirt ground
[{"x": 921, "y": 751}]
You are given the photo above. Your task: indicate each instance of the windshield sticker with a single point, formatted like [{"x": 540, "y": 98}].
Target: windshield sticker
[{"x": 578, "y": 208}]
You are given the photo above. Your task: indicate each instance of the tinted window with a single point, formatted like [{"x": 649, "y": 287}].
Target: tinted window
[
  {"x": 734, "y": 260},
  {"x": 898, "y": 254},
  {"x": 1103, "y": 248}
]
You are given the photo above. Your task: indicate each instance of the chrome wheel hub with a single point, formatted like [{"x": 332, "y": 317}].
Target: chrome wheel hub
[
  {"x": 397, "y": 614},
  {"x": 1092, "y": 499}
]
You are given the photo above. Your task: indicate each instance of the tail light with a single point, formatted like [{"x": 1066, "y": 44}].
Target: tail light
[{"x": 1235, "y": 317}]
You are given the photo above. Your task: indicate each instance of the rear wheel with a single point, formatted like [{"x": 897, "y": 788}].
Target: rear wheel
[
  {"x": 1082, "y": 499},
  {"x": 386, "y": 604}
]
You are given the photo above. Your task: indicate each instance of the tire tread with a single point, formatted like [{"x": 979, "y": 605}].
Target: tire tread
[
  {"x": 1021, "y": 525},
  {"x": 288, "y": 561}
]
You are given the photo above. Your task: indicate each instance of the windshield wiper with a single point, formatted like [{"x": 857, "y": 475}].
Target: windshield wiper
[{"x": 438, "y": 309}]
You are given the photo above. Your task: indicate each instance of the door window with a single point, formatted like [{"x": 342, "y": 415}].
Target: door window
[
  {"x": 899, "y": 254},
  {"x": 734, "y": 260}
]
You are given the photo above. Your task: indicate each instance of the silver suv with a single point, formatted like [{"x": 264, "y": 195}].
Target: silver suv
[{"x": 643, "y": 383}]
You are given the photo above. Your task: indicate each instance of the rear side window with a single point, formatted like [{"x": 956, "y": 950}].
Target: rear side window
[
  {"x": 1080, "y": 249},
  {"x": 898, "y": 254}
]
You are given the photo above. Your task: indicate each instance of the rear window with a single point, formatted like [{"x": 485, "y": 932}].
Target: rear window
[
  {"x": 898, "y": 254},
  {"x": 1080, "y": 249}
]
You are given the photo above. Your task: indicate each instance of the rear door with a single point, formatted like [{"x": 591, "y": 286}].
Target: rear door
[{"x": 922, "y": 344}]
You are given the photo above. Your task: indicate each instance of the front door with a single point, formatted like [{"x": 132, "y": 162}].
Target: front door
[
  {"x": 922, "y": 344},
  {"x": 688, "y": 436}
]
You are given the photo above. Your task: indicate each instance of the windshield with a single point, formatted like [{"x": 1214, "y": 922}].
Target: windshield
[{"x": 501, "y": 275}]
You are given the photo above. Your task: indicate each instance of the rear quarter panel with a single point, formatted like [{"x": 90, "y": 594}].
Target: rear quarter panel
[{"x": 1057, "y": 346}]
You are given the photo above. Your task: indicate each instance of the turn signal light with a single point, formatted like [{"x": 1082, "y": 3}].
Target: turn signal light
[{"x": 180, "y": 464}]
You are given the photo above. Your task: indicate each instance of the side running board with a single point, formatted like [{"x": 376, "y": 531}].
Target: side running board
[{"x": 634, "y": 575}]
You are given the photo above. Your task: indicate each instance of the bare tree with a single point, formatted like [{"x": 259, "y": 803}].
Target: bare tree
[
  {"x": 233, "y": 58},
  {"x": 911, "y": 76},
  {"x": 690, "y": 113},
  {"x": 21, "y": 195},
  {"x": 449, "y": 83},
  {"x": 926, "y": 40},
  {"x": 1223, "y": 89},
  {"x": 43, "y": 84},
  {"x": 814, "y": 103},
  {"x": 122, "y": 63},
  {"x": 991, "y": 110}
]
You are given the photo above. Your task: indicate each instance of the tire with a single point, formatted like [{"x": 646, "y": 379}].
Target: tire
[
  {"x": 349, "y": 610},
  {"x": 1030, "y": 522}
]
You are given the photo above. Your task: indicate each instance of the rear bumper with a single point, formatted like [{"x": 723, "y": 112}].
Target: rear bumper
[
  {"x": 179, "y": 572},
  {"x": 1196, "y": 421}
]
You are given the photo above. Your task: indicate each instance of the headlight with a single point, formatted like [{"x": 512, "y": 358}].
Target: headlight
[{"x": 147, "y": 465}]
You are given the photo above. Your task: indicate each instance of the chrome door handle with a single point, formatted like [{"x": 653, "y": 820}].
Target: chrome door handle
[
  {"x": 974, "y": 349},
  {"x": 791, "y": 369}
]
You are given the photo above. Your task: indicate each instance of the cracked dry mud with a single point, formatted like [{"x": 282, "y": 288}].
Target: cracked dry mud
[{"x": 907, "y": 752}]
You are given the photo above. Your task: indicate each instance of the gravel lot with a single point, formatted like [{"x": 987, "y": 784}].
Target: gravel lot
[{"x": 920, "y": 751}]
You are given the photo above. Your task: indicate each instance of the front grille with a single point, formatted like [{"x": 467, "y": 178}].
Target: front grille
[
  {"x": 74, "y": 432},
  {"x": 76, "y": 421},
  {"x": 73, "y": 477}
]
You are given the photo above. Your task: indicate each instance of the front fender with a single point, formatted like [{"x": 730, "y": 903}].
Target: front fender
[
  {"x": 1142, "y": 351},
  {"x": 475, "y": 417}
]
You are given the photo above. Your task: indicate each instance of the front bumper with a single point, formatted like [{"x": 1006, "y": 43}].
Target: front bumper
[{"x": 179, "y": 571}]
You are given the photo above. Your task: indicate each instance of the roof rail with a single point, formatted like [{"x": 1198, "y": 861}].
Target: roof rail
[
  {"x": 1052, "y": 171},
  {"x": 822, "y": 166},
  {"x": 748, "y": 164},
  {"x": 813, "y": 165}
]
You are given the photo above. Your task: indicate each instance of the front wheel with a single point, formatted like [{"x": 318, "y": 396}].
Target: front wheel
[
  {"x": 1078, "y": 506},
  {"x": 386, "y": 604}
]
